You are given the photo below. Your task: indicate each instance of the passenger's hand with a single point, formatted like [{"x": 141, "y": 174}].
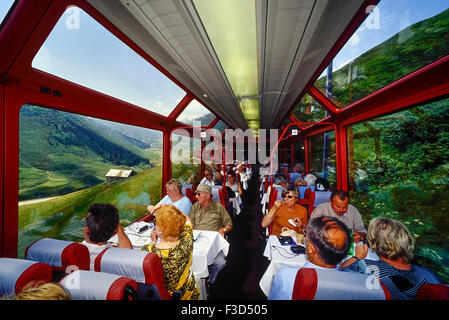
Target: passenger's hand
[
  {"x": 298, "y": 222},
  {"x": 153, "y": 236},
  {"x": 361, "y": 251},
  {"x": 278, "y": 203},
  {"x": 357, "y": 236}
]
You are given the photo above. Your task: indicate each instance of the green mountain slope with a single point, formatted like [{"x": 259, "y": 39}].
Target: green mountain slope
[
  {"x": 60, "y": 153},
  {"x": 410, "y": 49},
  {"x": 60, "y": 218}
]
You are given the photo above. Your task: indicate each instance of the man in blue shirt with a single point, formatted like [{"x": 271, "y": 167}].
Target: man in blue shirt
[
  {"x": 174, "y": 196},
  {"x": 327, "y": 243}
]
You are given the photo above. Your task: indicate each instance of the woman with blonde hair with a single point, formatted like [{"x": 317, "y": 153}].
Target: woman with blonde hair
[
  {"x": 394, "y": 245},
  {"x": 38, "y": 290},
  {"x": 173, "y": 243}
]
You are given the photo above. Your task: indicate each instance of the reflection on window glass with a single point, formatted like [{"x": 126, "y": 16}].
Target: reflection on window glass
[
  {"x": 185, "y": 157},
  {"x": 308, "y": 110},
  {"x": 81, "y": 50},
  {"x": 397, "y": 38},
  {"x": 67, "y": 162},
  {"x": 399, "y": 168},
  {"x": 5, "y": 5},
  {"x": 220, "y": 126},
  {"x": 299, "y": 152},
  {"x": 195, "y": 111},
  {"x": 322, "y": 157}
]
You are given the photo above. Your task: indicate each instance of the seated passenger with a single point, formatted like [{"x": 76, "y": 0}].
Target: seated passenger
[
  {"x": 280, "y": 182},
  {"x": 101, "y": 223},
  {"x": 394, "y": 245},
  {"x": 310, "y": 181},
  {"x": 287, "y": 214},
  {"x": 194, "y": 180},
  {"x": 207, "y": 214},
  {"x": 175, "y": 248},
  {"x": 296, "y": 173},
  {"x": 207, "y": 178},
  {"x": 327, "y": 243},
  {"x": 217, "y": 179},
  {"x": 174, "y": 196},
  {"x": 36, "y": 290},
  {"x": 340, "y": 208},
  {"x": 301, "y": 185},
  {"x": 233, "y": 183}
]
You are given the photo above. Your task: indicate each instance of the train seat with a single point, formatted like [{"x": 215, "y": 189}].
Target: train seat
[
  {"x": 144, "y": 267},
  {"x": 15, "y": 274},
  {"x": 320, "y": 284},
  {"x": 89, "y": 285},
  {"x": 59, "y": 254},
  {"x": 430, "y": 291},
  {"x": 321, "y": 196},
  {"x": 186, "y": 186}
]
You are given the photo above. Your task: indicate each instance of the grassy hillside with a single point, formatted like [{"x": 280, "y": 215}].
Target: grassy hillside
[
  {"x": 410, "y": 49},
  {"x": 61, "y": 153},
  {"x": 60, "y": 218}
]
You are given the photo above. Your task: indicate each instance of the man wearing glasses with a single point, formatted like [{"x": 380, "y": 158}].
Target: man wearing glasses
[
  {"x": 340, "y": 208},
  {"x": 286, "y": 214},
  {"x": 207, "y": 214}
]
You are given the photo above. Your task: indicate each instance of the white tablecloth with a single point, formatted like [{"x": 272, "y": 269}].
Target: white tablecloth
[
  {"x": 279, "y": 255},
  {"x": 206, "y": 246},
  {"x": 236, "y": 202}
]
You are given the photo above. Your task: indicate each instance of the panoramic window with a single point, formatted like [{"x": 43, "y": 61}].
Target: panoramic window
[
  {"x": 399, "y": 168},
  {"x": 5, "y": 6},
  {"x": 397, "y": 38},
  {"x": 80, "y": 50},
  {"x": 185, "y": 157},
  {"x": 308, "y": 110},
  {"x": 195, "y": 111},
  {"x": 67, "y": 162},
  {"x": 322, "y": 157},
  {"x": 220, "y": 126}
]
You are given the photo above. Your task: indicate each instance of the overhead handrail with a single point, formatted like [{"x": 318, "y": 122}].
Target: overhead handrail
[{"x": 299, "y": 125}]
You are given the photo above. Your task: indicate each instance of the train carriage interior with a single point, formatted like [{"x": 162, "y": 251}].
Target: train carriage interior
[{"x": 107, "y": 101}]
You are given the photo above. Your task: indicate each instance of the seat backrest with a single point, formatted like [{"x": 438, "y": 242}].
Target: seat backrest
[
  {"x": 143, "y": 267},
  {"x": 215, "y": 191},
  {"x": 430, "y": 291},
  {"x": 224, "y": 200},
  {"x": 59, "y": 254},
  {"x": 17, "y": 273},
  {"x": 322, "y": 284},
  {"x": 279, "y": 193},
  {"x": 190, "y": 195},
  {"x": 321, "y": 196},
  {"x": 308, "y": 201},
  {"x": 185, "y": 186},
  {"x": 89, "y": 285}
]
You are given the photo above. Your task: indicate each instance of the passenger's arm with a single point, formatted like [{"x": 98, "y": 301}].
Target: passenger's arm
[
  {"x": 268, "y": 218},
  {"x": 225, "y": 230},
  {"x": 123, "y": 240},
  {"x": 360, "y": 253}
]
